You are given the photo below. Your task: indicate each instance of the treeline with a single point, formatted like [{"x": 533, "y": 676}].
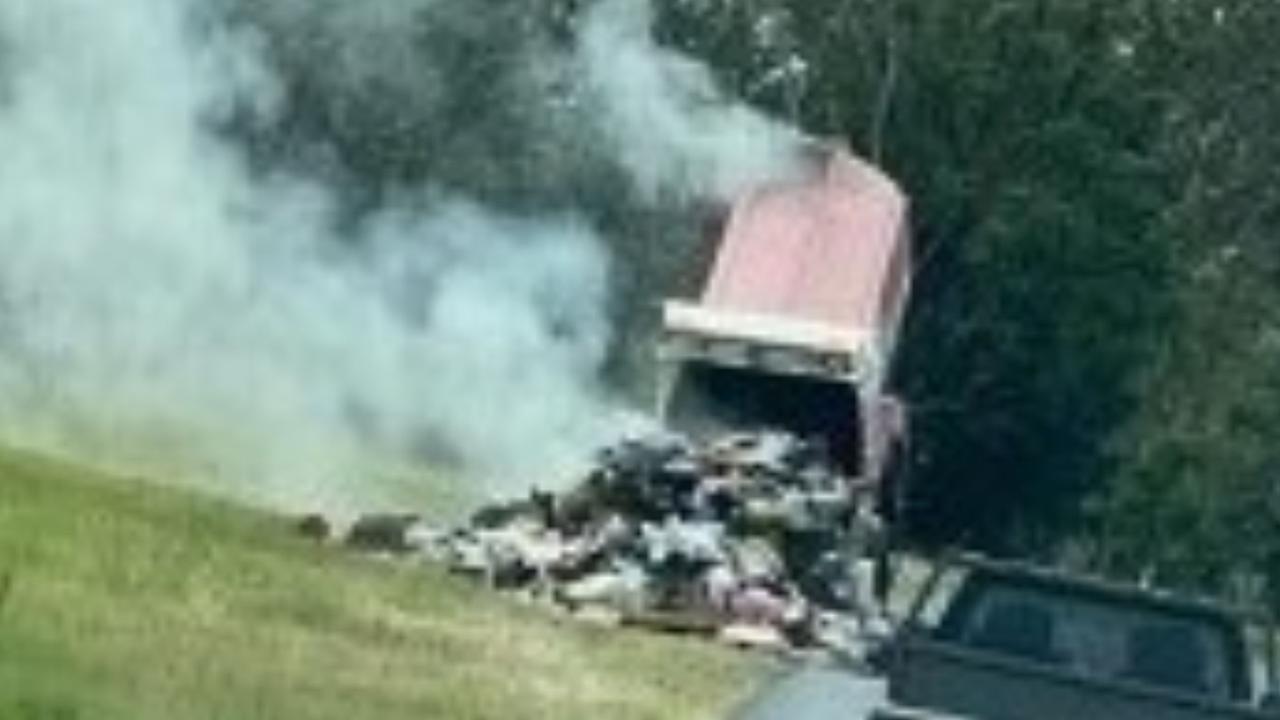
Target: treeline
[{"x": 1093, "y": 354}]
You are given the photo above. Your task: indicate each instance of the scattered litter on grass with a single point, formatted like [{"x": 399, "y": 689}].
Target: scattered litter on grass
[{"x": 754, "y": 539}]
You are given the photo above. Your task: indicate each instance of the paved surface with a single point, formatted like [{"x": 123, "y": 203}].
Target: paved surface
[{"x": 817, "y": 692}]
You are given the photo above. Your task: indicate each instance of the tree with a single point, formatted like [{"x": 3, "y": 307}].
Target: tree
[{"x": 1195, "y": 500}]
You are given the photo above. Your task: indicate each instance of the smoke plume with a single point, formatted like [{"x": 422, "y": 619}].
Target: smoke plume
[
  {"x": 181, "y": 295},
  {"x": 666, "y": 120}
]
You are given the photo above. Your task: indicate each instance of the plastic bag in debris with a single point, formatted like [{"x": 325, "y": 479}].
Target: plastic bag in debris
[
  {"x": 755, "y": 559},
  {"x": 623, "y": 588},
  {"x": 696, "y": 542},
  {"x": 760, "y": 637}
]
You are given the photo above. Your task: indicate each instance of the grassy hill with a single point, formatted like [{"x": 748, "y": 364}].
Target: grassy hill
[{"x": 136, "y": 602}]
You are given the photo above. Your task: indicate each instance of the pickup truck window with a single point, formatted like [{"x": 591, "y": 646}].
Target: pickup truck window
[
  {"x": 1018, "y": 628},
  {"x": 1168, "y": 655},
  {"x": 1094, "y": 638}
]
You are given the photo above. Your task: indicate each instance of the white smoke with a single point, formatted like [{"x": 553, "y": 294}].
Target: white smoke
[
  {"x": 666, "y": 119},
  {"x": 165, "y": 308}
]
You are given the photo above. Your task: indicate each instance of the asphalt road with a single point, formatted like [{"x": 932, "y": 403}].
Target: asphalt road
[{"x": 817, "y": 692}]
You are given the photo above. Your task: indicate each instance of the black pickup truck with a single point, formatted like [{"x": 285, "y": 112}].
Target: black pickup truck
[{"x": 1001, "y": 641}]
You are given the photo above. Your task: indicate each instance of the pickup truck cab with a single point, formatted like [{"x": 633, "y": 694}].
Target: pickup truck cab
[{"x": 1002, "y": 641}]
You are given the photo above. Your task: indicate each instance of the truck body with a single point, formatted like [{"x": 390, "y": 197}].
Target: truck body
[
  {"x": 798, "y": 319},
  {"x": 1001, "y": 641}
]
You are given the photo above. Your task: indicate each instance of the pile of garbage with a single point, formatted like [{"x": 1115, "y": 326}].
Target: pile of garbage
[{"x": 757, "y": 539}]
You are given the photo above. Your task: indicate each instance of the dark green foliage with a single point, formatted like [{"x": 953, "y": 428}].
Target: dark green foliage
[
  {"x": 1195, "y": 500},
  {"x": 1027, "y": 147}
]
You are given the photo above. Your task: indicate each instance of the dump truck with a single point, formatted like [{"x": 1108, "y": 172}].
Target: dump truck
[
  {"x": 994, "y": 640},
  {"x": 797, "y": 321}
]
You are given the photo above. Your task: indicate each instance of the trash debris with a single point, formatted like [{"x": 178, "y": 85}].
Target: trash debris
[
  {"x": 382, "y": 533},
  {"x": 313, "y": 527},
  {"x": 755, "y": 539}
]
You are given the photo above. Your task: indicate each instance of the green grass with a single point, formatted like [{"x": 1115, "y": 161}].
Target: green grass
[{"x": 137, "y": 602}]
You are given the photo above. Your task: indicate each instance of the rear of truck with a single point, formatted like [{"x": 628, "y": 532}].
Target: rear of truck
[
  {"x": 797, "y": 322},
  {"x": 1004, "y": 641}
]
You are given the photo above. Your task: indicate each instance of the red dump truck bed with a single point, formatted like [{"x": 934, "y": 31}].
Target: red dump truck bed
[
  {"x": 822, "y": 264},
  {"x": 830, "y": 251}
]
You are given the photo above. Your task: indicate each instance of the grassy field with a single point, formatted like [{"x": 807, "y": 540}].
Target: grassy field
[{"x": 136, "y": 602}]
